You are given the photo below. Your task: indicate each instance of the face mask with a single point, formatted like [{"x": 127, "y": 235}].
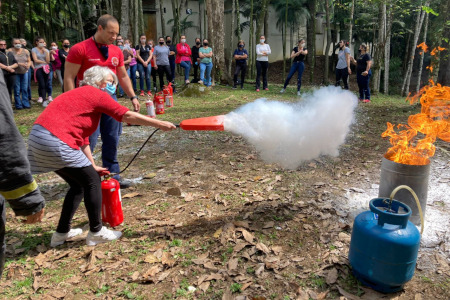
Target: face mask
[
  {"x": 161, "y": 43},
  {"x": 262, "y": 41},
  {"x": 183, "y": 40},
  {"x": 205, "y": 44},
  {"x": 110, "y": 88},
  {"x": 17, "y": 46},
  {"x": 41, "y": 45},
  {"x": 121, "y": 47},
  {"x": 359, "y": 50},
  {"x": 143, "y": 40},
  {"x": 54, "y": 48},
  {"x": 168, "y": 42},
  {"x": 197, "y": 43},
  {"x": 241, "y": 46},
  {"x": 127, "y": 46},
  {"x": 66, "y": 46}
]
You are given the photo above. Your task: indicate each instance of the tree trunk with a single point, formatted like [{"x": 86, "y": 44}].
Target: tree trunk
[
  {"x": 419, "y": 21},
  {"x": 80, "y": 20},
  {"x": 422, "y": 54},
  {"x": 135, "y": 23},
  {"x": 444, "y": 63},
  {"x": 199, "y": 20},
  {"x": 284, "y": 37},
  {"x": 140, "y": 18},
  {"x": 21, "y": 18},
  {"x": 311, "y": 39},
  {"x": 387, "y": 49},
  {"x": 163, "y": 22},
  {"x": 261, "y": 15},
  {"x": 251, "y": 53},
  {"x": 350, "y": 27},
  {"x": 232, "y": 40},
  {"x": 327, "y": 48},
  {"x": 216, "y": 35},
  {"x": 266, "y": 22},
  {"x": 125, "y": 19},
  {"x": 379, "y": 51},
  {"x": 31, "y": 19},
  {"x": 176, "y": 19},
  {"x": 238, "y": 20}
]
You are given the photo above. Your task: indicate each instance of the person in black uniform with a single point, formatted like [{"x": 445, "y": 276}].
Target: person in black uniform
[
  {"x": 8, "y": 64},
  {"x": 241, "y": 56},
  {"x": 298, "y": 54},
  {"x": 196, "y": 59},
  {"x": 172, "y": 55}
]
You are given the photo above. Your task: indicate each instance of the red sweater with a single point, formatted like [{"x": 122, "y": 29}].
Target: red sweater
[
  {"x": 183, "y": 51},
  {"x": 74, "y": 116}
]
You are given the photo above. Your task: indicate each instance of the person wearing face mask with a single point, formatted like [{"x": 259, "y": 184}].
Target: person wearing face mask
[
  {"x": 126, "y": 62},
  {"x": 41, "y": 58},
  {"x": 144, "y": 56},
  {"x": 206, "y": 64},
  {"x": 56, "y": 63},
  {"x": 8, "y": 64},
  {"x": 99, "y": 50},
  {"x": 196, "y": 59},
  {"x": 343, "y": 64},
  {"x": 151, "y": 44},
  {"x": 53, "y": 52},
  {"x": 79, "y": 112},
  {"x": 240, "y": 55},
  {"x": 184, "y": 57},
  {"x": 262, "y": 62},
  {"x": 172, "y": 54},
  {"x": 162, "y": 64},
  {"x": 63, "y": 53},
  {"x": 30, "y": 70},
  {"x": 298, "y": 54},
  {"x": 131, "y": 71},
  {"x": 22, "y": 57},
  {"x": 363, "y": 72}
]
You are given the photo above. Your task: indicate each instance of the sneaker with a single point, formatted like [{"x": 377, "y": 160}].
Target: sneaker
[
  {"x": 149, "y": 93},
  {"x": 298, "y": 93},
  {"x": 142, "y": 93},
  {"x": 257, "y": 90},
  {"x": 50, "y": 99},
  {"x": 124, "y": 184},
  {"x": 186, "y": 81},
  {"x": 366, "y": 101},
  {"x": 45, "y": 103},
  {"x": 200, "y": 82},
  {"x": 40, "y": 100},
  {"x": 234, "y": 87},
  {"x": 266, "y": 89},
  {"x": 103, "y": 236},
  {"x": 282, "y": 91},
  {"x": 60, "y": 238},
  {"x": 242, "y": 87}
]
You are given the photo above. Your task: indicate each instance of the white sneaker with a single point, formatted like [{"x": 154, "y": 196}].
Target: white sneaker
[
  {"x": 40, "y": 100},
  {"x": 60, "y": 238},
  {"x": 45, "y": 104},
  {"x": 282, "y": 91},
  {"x": 103, "y": 236},
  {"x": 50, "y": 98},
  {"x": 298, "y": 93},
  {"x": 200, "y": 82}
]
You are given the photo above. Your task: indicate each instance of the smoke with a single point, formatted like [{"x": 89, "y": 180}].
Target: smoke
[{"x": 288, "y": 134}]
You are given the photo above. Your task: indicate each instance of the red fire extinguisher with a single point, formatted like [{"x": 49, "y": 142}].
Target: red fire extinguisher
[
  {"x": 170, "y": 88},
  {"x": 168, "y": 96},
  {"x": 159, "y": 103},
  {"x": 112, "y": 212}
]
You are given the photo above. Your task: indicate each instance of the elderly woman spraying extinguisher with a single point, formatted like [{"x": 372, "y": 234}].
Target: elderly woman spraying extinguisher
[{"x": 62, "y": 145}]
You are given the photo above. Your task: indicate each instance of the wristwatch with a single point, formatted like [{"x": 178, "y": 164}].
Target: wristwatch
[{"x": 134, "y": 97}]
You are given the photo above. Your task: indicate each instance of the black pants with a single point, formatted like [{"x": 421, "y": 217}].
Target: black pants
[
  {"x": 196, "y": 73},
  {"x": 342, "y": 73},
  {"x": 10, "y": 80},
  {"x": 42, "y": 79},
  {"x": 161, "y": 71},
  {"x": 240, "y": 68},
  {"x": 83, "y": 182},
  {"x": 261, "y": 68},
  {"x": 154, "y": 71}
]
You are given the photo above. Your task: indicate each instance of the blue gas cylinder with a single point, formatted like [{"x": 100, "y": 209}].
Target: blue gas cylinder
[{"x": 384, "y": 246}]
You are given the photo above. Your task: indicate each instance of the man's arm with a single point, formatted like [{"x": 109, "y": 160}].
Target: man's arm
[
  {"x": 125, "y": 83},
  {"x": 70, "y": 72}
]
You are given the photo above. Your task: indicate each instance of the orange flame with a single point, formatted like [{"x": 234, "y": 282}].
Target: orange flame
[{"x": 433, "y": 122}]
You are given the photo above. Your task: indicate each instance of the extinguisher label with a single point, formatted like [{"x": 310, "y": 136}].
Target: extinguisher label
[{"x": 120, "y": 196}]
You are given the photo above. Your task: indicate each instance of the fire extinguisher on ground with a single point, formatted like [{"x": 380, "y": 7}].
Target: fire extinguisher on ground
[
  {"x": 159, "y": 103},
  {"x": 112, "y": 212},
  {"x": 168, "y": 96}
]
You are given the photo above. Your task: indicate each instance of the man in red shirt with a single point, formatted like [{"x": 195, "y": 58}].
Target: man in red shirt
[{"x": 100, "y": 51}]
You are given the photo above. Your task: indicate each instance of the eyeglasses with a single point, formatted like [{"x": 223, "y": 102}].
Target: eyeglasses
[{"x": 2, "y": 44}]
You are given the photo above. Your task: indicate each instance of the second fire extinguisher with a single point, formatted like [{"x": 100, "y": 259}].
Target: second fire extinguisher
[{"x": 112, "y": 212}]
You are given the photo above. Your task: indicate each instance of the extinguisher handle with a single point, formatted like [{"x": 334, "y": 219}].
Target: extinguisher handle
[{"x": 103, "y": 173}]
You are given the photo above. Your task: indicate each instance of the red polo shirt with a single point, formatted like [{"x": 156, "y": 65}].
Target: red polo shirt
[{"x": 87, "y": 54}]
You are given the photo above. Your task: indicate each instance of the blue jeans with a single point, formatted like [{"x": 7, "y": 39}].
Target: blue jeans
[
  {"x": 110, "y": 131},
  {"x": 21, "y": 87},
  {"x": 299, "y": 67},
  {"x": 208, "y": 68},
  {"x": 144, "y": 72},
  {"x": 30, "y": 75},
  {"x": 172, "y": 69},
  {"x": 49, "y": 83},
  {"x": 363, "y": 85},
  {"x": 186, "y": 65},
  {"x": 132, "y": 74}
]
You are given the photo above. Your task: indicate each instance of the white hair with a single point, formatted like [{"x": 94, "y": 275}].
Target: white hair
[{"x": 96, "y": 75}]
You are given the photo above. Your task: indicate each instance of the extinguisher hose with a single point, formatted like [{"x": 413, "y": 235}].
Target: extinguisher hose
[
  {"x": 137, "y": 153},
  {"x": 417, "y": 202}
]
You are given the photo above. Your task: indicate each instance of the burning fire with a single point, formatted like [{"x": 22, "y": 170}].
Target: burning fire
[{"x": 432, "y": 122}]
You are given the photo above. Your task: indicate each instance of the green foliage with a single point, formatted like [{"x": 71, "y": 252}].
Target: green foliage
[{"x": 236, "y": 287}]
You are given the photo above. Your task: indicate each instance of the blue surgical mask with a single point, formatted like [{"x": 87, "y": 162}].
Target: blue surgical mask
[
  {"x": 110, "y": 88},
  {"x": 121, "y": 47}
]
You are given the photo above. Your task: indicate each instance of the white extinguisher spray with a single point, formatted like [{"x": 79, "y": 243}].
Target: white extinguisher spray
[{"x": 150, "y": 108}]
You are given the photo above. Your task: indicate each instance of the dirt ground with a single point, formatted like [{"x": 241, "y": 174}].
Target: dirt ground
[{"x": 207, "y": 219}]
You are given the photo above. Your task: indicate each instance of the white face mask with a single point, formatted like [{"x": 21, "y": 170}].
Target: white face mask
[
  {"x": 41, "y": 45},
  {"x": 183, "y": 40},
  {"x": 17, "y": 46},
  {"x": 262, "y": 41},
  {"x": 143, "y": 40},
  {"x": 54, "y": 47}
]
